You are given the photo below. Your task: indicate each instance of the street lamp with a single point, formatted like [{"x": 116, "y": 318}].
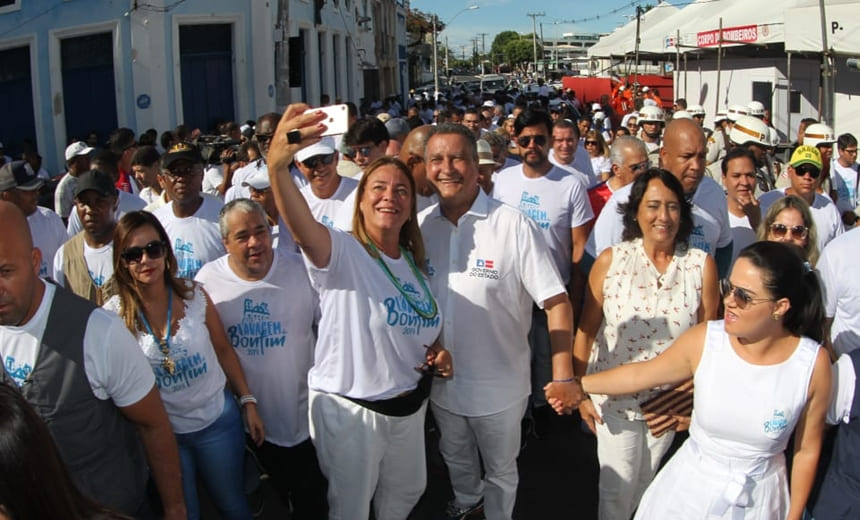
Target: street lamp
[{"x": 435, "y": 55}]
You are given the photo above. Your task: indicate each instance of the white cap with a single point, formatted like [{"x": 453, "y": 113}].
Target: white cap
[
  {"x": 324, "y": 147},
  {"x": 258, "y": 181},
  {"x": 489, "y": 103},
  {"x": 682, "y": 114},
  {"x": 383, "y": 116},
  {"x": 596, "y": 106},
  {"x": 75, "y": 149},
  {"x": 645, "y": 89},
  {"x": 649, "y": 103},
  {"x": 599, "y": 116},
  {"x": 485, "y": 153}
]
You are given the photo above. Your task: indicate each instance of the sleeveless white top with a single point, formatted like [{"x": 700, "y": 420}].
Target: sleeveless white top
[
  {"x": 644, "y": 311},
  {"x": 732, "y": 466}
]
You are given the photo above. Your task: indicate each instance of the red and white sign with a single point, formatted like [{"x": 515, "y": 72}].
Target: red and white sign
[{"x": 742, "y": 34}]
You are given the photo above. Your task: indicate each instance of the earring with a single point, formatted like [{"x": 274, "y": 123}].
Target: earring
[{"x": 776, "y": 316}]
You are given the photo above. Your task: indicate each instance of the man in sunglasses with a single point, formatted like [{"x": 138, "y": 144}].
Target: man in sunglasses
[
  {"x": 190, "y": 219},
  {"x": 364, "y": 142},
  {"x": 84, "y": 264},
  {"x": 845, "y": 167},
  {"x": 558, "y": 203},
  {"x": 326, "y": 191},
  {"x": 803, "y": 172}
]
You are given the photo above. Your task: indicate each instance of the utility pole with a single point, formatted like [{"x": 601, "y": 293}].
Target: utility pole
[
  {"x": 639, "y": 12},
  {"x": 534, "y": 35}
]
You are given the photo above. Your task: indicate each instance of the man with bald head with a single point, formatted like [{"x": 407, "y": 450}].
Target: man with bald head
[
  {"x": 85, "y": 375},
  {"x": 412, "y": 155},
  {"x": 683, "y": 155}
]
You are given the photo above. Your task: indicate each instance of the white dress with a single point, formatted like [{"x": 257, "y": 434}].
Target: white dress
[{"x": 732, "y": 466}]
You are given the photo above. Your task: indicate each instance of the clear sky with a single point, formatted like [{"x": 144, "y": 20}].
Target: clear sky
[{"x": 495, "y": 16}]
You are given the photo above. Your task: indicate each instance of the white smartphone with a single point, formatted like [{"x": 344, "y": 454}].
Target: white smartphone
[{"x": 336, "y": 119}]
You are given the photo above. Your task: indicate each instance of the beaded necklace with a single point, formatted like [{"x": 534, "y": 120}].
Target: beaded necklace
[{"x": 163, "y": 343}]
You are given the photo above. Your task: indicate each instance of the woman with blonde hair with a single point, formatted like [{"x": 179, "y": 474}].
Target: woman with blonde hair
[
  {"x": 598, "y": 151},
  {"x": 790, "y": 220},
  {"x": 377, "y": 347}
]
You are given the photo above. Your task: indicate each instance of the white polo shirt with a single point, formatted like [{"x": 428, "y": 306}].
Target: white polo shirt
[
  {"x": 273, "y": 337},
  {"x": 196, "y": 239},
  {"x": 842, "y": 290},
  {"x": 556, "y": 202},
  {"x": 486, "y": 272},
  {"x": 580, "y": 167},
  {"x": 828, "y": 221},
  {"x": 49, "y": 234}
]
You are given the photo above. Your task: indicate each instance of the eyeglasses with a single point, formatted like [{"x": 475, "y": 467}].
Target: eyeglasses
[
  {"x": 312, "y": 162},
  {"x": 850, "y": 151},
  {"x": 804, "y": 169},
  {"x": 153, "y": 250},
  {"x": 797, "y": 232},
  {"x": 263, "y": 138},
  {"x": 355, "y": 151},
  {"x": 525, "y": 140},
  {"x": 179, "y": 173},
  {"x": 592, "y": 143},
  {"x": 741, "y": 296},
  {"x": 639, "y": 167}
]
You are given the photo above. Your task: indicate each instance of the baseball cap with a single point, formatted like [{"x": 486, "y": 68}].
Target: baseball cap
[
  {"x": 806, "y": 154},
  {"x": 383, "y": 116},
  {"x": 77, "y": 148},
  {"x": 489, "y": 103},
  {"x": 180, "y": 151},
  {"x": 95, "y": 180},
  {"x": 20, "y": 175},
  {"x": 324, "y": 147},
  {"x": 258, "y": 181},
  {"x": 485, "y": 153}
]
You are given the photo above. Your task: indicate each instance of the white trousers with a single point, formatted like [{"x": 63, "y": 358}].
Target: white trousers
[
  {"x": 629, "y": 457},
  {"x": 366, "y": 455},
  {"x": 495, "y": 439}
]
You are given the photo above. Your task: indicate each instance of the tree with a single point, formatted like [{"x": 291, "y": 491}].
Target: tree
[
  {"x": 521, "y": 51},
  {"x": 501, "y": 39},
  {"x": 419, "y": 24}
]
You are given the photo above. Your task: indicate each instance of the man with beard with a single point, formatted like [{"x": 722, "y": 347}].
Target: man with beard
[
  {"x": 190, "y": 219},
  {"x": 84, "y": 264},
  {"x": 558, "y": 203}
]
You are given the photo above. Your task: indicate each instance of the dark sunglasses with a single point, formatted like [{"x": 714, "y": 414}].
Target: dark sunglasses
[
  {"x": 592, "y": 143},
  {"x": 524, "y": 141},
  {"x": 316, "y": 160},
  {"x": 354, "y": 152},
  {"x": 177, "y": 173},
  {"x": 153, "y": 250},
  {"x": 741, "y": 296},
  {"x": 797, "y": 232},
  {"x": 806, "y": 168},
  {"x": 263, "y": 138},
  {"x": 640, "y": 167}
]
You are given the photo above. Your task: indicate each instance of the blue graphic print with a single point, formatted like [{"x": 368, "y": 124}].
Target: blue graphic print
[{"x": 257, "y": 331}]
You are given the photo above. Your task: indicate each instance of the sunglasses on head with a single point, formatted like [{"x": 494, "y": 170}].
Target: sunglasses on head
[
  {"x": 807, "y": 169},
  {"x": 316, "y": 160},
  {"x": 742, "y": 298},
  {"x": 524, "y": 141},
  {"x": 153, "y": 250},
  {"x": 797, "y": 232},
  {"x": 355, "y": 151}
]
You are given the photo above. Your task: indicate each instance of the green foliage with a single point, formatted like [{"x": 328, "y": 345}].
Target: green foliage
[{"x": 501, "y": 40}]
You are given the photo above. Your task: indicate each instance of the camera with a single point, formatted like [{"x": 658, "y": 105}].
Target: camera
[{"x": 212, "y": 148}]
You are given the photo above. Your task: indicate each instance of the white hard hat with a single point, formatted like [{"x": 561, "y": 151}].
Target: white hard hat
[
  {"x": 599, "y": 116},
  {"x": 755, "y": 108},
  {"x": 682, "y": 114},
  {"x": 735, "y": 111},
  {"x": 817, "y": 134},
  {"x": 650, "y": 114},
  {"x": 596, "y": 106},
  {"x": 721, "y": 116},
  {"x": 696, "y": 110},
  {"x": 750, "y": 129},
  {"x": 774, "y": 136},
  {"x": 645, "y": 89}
]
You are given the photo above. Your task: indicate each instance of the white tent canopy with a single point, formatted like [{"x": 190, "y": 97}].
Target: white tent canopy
[
  {"x": 623, "y": 39},
  {"x": 803, "y": 27}
]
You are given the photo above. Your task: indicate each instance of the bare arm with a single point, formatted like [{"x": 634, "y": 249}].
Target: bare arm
[
  {"x": 161, "y": 452},
  {"x": 710, "y": 291},
  {"x": 808, "y": 436},
  {"x": 310, "y": 235},
  {"x": 229, "y": 362},
  {"x": 562, "y": 392},
  {"x": 579, "y": 235},
  {"x": 674, "y": 365}
]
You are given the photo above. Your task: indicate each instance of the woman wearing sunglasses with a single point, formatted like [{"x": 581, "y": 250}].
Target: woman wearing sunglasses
[
  {"x": 598, "y": 152},
  {"x": 377, "y": 348},
  {"x": 789, "y": 220},
  {"x": 179, "y": 330},
  {"x": 642, "y": 293},
  {"x": 760, "y": 375}
]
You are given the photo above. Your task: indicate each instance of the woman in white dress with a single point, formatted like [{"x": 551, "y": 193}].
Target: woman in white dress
[
  {"x": 642, "y": 294},
  {"x": 379, "y": 322},
  {"x": 759, "y": 375}
]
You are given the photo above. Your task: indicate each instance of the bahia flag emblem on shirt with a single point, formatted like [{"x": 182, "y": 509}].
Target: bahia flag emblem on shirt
[{"x": 486, "y": 264}]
